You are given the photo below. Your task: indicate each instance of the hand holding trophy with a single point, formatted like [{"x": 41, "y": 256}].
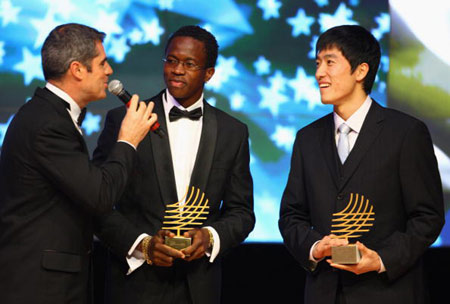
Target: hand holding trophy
[
  {"x": 185, "y": 215},
  {"x": 355, "y": 219}
]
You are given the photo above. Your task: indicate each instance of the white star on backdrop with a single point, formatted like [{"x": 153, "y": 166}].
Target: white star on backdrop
[
  {"x": 225, "y": 68},
  {"x": 30, "y": 66},
  {"x": 105, "y": 3},
  {"x": 237, "y": 101},
  {"x": 152, "y": 31},
  {"x": 262, "y": 66},
  {"x": 212, "y": 101},
  {"x": 321, "y": 3},
  {"x": 271, "y": 99},
  {"x": 284, "y": 137},
  {"x": 43, "y": 27},
  {"x": 270, "y": 8},
  {"x": 312, "y": 45},
  {"x": 107, "y": 23},
  {"x": 118, "y": 48},
  {"x": 305, "y": 88},
  {"x": 165, "y": 4},
  {"x": 301, "y": 23},
  {"x": 3, "y": 128},
  {"x": 384, "y": 63},
  {"x": 91, "y": 123},
  {"x": 384, "y": 24},
  {"x": 342, "y": 16},
  {"x": 8, "y": 12},
  {"x": 2, "y": 51},
  {"x": 278, "y": 81},
  {"x": 65, "y": 8},
  {"x": 135, "y": 36}
]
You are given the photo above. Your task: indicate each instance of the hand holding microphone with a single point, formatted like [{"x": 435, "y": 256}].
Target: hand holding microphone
[
  {"x": 116, "y": 87},
  {"x": 137, "y": 122}
]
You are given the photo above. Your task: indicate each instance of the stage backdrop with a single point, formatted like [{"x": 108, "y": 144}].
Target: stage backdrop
[{"x": 264, "y": 74}]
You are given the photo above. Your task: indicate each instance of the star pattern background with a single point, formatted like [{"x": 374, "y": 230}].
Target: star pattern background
[{"x": 264, "y": 73}]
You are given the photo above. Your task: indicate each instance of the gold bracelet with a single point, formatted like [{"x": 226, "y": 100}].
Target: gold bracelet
[
  {"x": 211, "y": 238},
  {"x": 145, "y": 243}
]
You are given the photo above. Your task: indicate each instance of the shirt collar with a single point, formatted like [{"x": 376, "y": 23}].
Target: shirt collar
[
  {"x": 74, "y": 107},
  {"x": 355, "y": 121},
  {"x": 170, "y": 101}
]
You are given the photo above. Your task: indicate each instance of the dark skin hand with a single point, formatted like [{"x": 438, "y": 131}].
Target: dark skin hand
[
  {"x": 200, "y": 243},
  {"x": 161, "y": 254}
]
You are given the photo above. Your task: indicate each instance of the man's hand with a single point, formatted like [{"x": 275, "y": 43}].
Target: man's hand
[
  {"x": 323, "y": 248},
  {"x": 161, "y": 254},
  {"x": 370, "y": 261},
  {"x": 137, "y": 121},
  {"x": 200, "y": 243}
]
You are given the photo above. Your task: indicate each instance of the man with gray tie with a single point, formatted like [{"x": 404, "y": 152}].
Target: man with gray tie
[
  {"x": 204, "y": 148},
  {"x": 378, "y": 153}
]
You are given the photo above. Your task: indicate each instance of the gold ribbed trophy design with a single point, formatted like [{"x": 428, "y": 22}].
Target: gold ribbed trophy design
[
  {"x": 185, "y": 215},
  {"x": 356, "y": 218}
]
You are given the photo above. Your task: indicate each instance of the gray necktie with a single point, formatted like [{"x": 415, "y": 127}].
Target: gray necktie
[{"x": 343, "y": 143}]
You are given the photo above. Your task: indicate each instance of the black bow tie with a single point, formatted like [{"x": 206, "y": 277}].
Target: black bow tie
[
  {"x": 175, "y": 114},
  {"x": 81, "y": 117}
]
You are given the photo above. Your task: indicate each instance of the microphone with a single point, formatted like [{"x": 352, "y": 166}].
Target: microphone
[{"x": 116, "y": 87}]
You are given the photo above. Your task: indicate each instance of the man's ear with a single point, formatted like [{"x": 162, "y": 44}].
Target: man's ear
[
  {"x": 209, "y": 74},
  {"x": 361, "y": 71},
  {"x": 77, "y": 70}
]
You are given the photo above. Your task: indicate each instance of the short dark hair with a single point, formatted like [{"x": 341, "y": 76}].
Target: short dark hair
[
  {"x": 357, "y": 45},
  {"x": 67, "y": 43},
  {"x": 200, "y": 34}
]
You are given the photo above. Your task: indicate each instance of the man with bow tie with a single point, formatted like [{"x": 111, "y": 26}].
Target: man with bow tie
[
  {"x": 49, "y": 189},
  {"x": 205, "y": 149}
]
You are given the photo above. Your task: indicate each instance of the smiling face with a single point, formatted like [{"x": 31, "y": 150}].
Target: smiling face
[
  {"x": 186, "y": 86},
  {"x": 96, "y": 80},
  {"x": 338, "y": 85}
]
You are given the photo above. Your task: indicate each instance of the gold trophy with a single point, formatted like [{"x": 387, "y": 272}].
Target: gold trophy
[
  {"x": 355, "y": 219},
  {"x": 181, "y": 217}
]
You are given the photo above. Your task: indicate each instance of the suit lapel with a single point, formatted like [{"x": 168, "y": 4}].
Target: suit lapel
[
  {"x": 328, "y": 147},
  {"x": 162, "y": 156},
  {"x": 60, "y": 107},
  {"x": 370, "y": 130},
  {"x": 205, "y": 154}
]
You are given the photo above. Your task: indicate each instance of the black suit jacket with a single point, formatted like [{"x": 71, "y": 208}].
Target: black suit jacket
[
  {"x": 221, "y": 171},
  {"x": 48, "y": 193},
  {"x": 393, "y": 165}
]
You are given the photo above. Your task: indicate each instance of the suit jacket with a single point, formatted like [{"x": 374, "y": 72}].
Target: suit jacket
[
  {"x": 393, "y": 165},
  {"x": 48, "y": 193},
  {"x": 221, "y": 171}
]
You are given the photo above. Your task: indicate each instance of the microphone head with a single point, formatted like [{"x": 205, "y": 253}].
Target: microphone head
[{"x": 115, "y": 87}]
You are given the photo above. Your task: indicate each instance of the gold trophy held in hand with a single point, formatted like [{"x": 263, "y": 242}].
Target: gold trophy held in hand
[
  {"x": 184, "y": 215},
  {"x": 356, "y": 218}
]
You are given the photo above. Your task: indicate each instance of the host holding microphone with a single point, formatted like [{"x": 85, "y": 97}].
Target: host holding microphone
[{"x": 49, "y": 189}]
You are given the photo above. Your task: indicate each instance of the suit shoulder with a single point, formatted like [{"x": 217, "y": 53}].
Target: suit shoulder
[
  {"x": 317, "y": 124},
  {"x": 228, "y": 119}
]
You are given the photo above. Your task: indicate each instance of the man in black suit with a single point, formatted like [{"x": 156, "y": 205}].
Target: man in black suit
[
  {"x": 49, "y": 189},
  {"x": 205, "y": 149},
  {"x": 362, "y": 148}
]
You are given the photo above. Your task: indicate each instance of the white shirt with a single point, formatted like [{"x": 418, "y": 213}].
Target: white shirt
[
  {"x": 74, "y": 110},
  {"x": 184, "y": 139}
]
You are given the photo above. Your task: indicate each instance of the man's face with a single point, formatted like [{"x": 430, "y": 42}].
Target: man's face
[
  {"x": 337, "y": 83},
  {"x": 184, "y": 84},
  {"x": 96, "y": 80}
]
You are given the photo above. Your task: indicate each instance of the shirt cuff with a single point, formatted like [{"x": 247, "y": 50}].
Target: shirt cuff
[
  {"x": 124, "y": 141},
  {"x": 135, "y": 258},
  {"x": 311, "y": 256},
  {"x": 214, "y": 250},
  {"x": 382, "y": 268}
]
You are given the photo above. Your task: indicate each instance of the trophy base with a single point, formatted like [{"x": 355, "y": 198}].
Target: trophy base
[
  {"x": 178, "y": 242},
  {"x": 345, "y": 254}
]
